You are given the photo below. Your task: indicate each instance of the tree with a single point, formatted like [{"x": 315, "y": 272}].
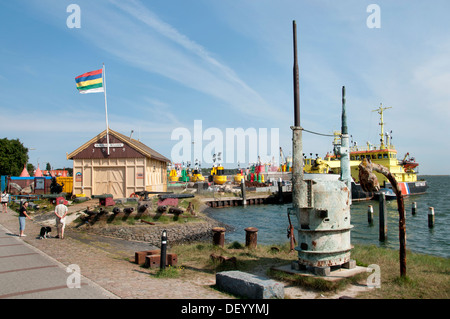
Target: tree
[
  {"x": 31, "y": 169},
  {"x": 13, "y": 157}
]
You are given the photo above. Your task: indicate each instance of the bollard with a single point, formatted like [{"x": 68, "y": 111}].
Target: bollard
[
  {"x": 382, "y": 218},
  {"x": 162, "y": 262},
  {"x": 280, "y": 191},
  {"x": 431, "y": 217},
  {"x": 414, "y": 208},
  {"x": 370, "y": 215},
  {"x": 251, "y": 237},
  {"x": 218, "y": 236},
  {"x": 244, "y": 196}
]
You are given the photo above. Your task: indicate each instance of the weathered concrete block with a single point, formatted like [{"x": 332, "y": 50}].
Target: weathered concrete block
[{"x": 249, "y": 285}]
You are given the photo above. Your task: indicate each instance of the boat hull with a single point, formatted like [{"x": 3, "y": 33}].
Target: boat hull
[{"x": 407, "y": 188}]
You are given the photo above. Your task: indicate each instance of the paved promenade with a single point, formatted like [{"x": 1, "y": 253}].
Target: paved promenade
[
  {"x": 26, "y": 272},
  {"x": 36, "y": 268}
]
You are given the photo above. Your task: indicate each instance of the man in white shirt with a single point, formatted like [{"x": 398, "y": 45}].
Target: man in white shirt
[{"x": 61, "y": 212}]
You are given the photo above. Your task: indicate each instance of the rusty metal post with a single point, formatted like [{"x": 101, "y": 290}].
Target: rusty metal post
[
  {"x": 290, "y": 233},
  {"x": 370, "y": 183},
  {"x": 218, "y": 236},
  {"x": 251, "y": 237}
]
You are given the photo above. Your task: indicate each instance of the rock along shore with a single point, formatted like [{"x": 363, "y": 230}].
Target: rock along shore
[{"x": 177, "y": 233}]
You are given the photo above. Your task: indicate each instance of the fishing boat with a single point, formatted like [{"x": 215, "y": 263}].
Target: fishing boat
[
  {"x": 388, "y": 194},
  {"x": 404, "y": 170}
]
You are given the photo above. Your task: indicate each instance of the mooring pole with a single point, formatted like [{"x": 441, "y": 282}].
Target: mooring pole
[
  {"x": 344, "y": 150},
  {"x": 280, "y": 191},
  {"x": 431, "y": 217},
  {"x": 298, "y": 189},
  {"x": 244, "y": 196},
  {"x": 382, "y": 214},
  {"x": 370, "y": 215},
  {"x": 296, "y": 80}
]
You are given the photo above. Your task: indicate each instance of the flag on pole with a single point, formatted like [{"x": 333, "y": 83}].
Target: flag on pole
[{"x": 90, "y": 82}]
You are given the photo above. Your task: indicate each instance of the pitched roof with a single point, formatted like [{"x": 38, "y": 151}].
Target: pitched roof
[
  {"x": 24, "y": 172},
  {"x": 38, "y": 172},
  {"x": 141, "y": 147}
]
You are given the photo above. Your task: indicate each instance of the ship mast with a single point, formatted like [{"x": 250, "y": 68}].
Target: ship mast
[{"x": 380, "y": 111}]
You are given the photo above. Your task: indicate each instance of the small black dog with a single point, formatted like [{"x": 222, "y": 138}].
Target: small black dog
[{"x": 45, "y": 233}]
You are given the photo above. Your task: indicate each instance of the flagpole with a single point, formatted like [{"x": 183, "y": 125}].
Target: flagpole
[{"x": 106, "y": 108}]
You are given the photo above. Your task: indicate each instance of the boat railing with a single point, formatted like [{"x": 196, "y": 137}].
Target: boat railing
[{"x": 370, "y": 147}]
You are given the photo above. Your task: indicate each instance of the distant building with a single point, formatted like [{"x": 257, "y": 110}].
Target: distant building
[
  {"x": 56, "y": 173},
  {"x": 130, "y": 167}
]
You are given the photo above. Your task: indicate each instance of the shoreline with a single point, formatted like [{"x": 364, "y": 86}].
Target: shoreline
[{"x": 177, "y": 233}]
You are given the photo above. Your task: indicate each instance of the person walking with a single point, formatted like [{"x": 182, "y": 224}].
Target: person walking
[
  {"x": 23, "y": 215},
  {"x": 61, "y": 212},
  {"x": 5, "y": 200}
]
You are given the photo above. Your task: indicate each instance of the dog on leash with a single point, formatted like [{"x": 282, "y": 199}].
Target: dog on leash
[{"x": 45, "y": 233}]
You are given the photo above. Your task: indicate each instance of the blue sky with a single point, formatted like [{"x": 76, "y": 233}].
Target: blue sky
[{"x": 229, "y": 64}]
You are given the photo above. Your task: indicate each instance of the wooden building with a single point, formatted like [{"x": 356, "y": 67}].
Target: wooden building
[{"x": 130, "y": 167}]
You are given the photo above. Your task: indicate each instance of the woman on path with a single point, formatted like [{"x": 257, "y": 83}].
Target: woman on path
[
  {"x": 22, "y": 217},
  {"x": 5, "y": 200}
]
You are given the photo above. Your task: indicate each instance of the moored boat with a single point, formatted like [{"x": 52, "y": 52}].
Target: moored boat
[{"x": 404, "y": 171}]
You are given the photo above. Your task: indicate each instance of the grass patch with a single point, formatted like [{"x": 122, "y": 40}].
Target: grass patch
[
  {"x": 168, "y": 272},
  {"x": 198, "y": 257},
  {"x": 427, "y": 277}
]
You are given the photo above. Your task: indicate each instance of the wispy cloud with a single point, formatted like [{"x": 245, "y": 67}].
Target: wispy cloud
[{"x": 143, "y": 40}]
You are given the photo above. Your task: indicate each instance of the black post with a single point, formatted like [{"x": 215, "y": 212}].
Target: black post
[
  {"x": 370, "y": 215},
  {"x": 244, "y": 195},
  {"x": 280, "y": 191},
  {"x": 414, "y": 208},
  {"x": 431, "y": 217},
  {"x": 382, "y": 217},
  {"x": 296, "y": 80},
  {"x": 162, "y": 263}
]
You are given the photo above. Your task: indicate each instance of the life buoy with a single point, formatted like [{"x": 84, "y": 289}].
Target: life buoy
[{"x": 134, "y": 195}]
